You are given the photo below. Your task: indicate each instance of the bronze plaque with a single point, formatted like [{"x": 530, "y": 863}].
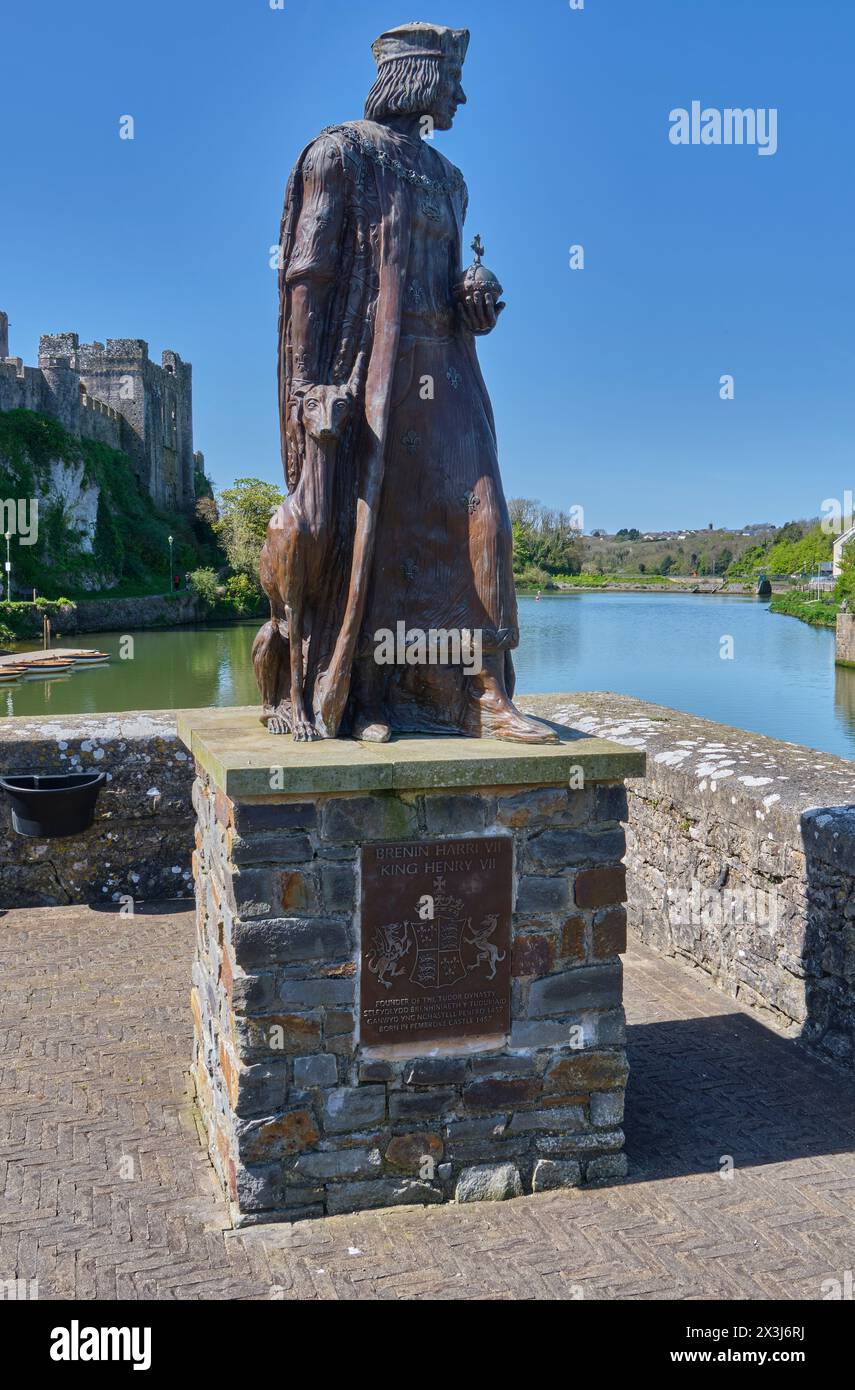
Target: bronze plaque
[{"x": 436, "y": 940}]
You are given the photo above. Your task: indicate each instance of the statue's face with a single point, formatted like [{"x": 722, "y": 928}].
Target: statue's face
[{"x": 449, "y": 97}]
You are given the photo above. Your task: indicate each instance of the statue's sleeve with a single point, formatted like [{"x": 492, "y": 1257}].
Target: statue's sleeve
[
  {"x": 317, "y": 245},
  {"x": 312, "y": 267}
]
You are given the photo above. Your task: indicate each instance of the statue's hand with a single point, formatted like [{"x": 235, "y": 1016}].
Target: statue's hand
[{"x": 479, "y": 313}]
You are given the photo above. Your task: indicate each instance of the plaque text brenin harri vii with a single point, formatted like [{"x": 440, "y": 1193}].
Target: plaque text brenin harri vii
[{"x": 436, "y": 951}]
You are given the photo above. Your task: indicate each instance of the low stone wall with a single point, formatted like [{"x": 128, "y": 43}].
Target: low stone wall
[
  {"x": 128, "y": 614},
  {"x": 721, "y": 813},
  {"x": 141, "y": 842},
  {"x": 109, "y": 615},
  {"x": 741, "y": 860},
  {"x": 846, "y": 639}
]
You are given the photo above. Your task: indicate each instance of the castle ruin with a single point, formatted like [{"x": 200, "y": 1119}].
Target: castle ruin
[{"x": 116, "y": 395}]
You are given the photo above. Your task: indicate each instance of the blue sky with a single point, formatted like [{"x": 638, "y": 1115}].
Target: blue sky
[{"x": 700, "y": 261}]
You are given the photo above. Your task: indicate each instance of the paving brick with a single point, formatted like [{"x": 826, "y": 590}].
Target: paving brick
[{"x": 96, "y": 1041}]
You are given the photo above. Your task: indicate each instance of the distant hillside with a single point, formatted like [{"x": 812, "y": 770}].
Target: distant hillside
[
  {"x": 799, "y": 547},
  {"x": 97, "y": 529},
  {"x": 547, "y": 548},
  {"x": 683, "y": 553}
]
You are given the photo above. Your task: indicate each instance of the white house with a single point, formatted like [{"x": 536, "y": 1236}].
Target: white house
[{"x": 839, "y": 546}]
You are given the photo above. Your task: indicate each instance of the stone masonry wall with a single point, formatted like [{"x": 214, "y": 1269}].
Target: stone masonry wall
[
  {"x": 300, "y": 1121},
  {"x": 741, "y": 860},
  {"x": 183, "y": 608},
  {"x": 141, "y": 842},
  {"x": 846, "y": 639}
]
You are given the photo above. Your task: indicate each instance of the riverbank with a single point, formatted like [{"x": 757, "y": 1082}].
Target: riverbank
[
  {"x": 22, "y": 621},
  {"x": 649, "y": 584},
  {"x": 816, "y": 612}
]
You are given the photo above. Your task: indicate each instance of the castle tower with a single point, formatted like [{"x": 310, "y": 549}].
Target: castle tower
[
  {"x": 150, "y": 406},
  {"x": 58, "y": 346},
  {"x": 61, "y": 390}
]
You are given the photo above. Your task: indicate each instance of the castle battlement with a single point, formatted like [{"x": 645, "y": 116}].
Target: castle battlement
[
  {"x": 57, "y": 346},
  {"x": 113, "y": 392},
  {"x": 115, "y": 350}
]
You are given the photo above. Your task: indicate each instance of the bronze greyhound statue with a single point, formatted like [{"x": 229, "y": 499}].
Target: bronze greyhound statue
[{"x": 294, "y": 560}]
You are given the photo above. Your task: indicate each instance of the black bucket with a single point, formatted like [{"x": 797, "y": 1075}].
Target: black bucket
[{"x": 51, "y": 807}]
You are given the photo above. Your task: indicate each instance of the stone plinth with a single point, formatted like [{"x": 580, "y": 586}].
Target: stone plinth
[
  {"x": 846, "y": 639},
  {"x": 303, "y": 1118}
]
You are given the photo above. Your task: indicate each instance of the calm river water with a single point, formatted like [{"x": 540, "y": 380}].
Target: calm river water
[{"x": 666, "y": 648}]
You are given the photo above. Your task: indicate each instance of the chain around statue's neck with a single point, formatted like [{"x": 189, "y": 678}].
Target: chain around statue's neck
[{"x": 387, "y": 161}]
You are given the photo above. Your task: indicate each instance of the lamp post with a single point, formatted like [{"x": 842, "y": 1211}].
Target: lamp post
[
  {"x": 170, "y": 565},
  {"x": 8, "y": 568}
]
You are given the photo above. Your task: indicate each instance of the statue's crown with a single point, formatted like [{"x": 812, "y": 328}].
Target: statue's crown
[{"x": 419, "y": 40}]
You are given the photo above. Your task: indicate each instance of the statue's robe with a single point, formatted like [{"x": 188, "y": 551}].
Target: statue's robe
[{"x": 423, "y": 535}]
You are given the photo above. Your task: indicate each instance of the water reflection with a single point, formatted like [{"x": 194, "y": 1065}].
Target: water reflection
[
  {"x": 844, "y": 696},
  {"x": 662, "y": 647}
]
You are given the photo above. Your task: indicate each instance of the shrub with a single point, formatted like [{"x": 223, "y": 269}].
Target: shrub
[
  {"x": 242, "y": 595},
  {"x": 534, "y": 578},
  {"x": 205, "y": 585},
  {"x": 846, "y": 583}
]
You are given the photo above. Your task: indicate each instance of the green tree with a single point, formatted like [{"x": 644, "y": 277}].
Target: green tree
[
  {"x": 544, "y": 540},
  {"x": 522, "y": 548},
  {"x": 846, "y": 583},
  {"x": 751, "y": 560},
  {"x": 245, "y": 511},
  {"x": 789, "y": 534},
  {"x": 804, "y": 554},
  {"x": 204, "y": 582}
]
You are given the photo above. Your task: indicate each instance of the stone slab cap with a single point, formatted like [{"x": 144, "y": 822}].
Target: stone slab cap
[{"x": 238, "y": 754}]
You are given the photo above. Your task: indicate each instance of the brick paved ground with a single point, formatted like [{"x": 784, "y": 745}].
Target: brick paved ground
[{"x": 105, "y": 1190}]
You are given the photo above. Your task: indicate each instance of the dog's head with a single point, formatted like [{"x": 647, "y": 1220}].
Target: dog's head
[{"x": 325, "y": 410}]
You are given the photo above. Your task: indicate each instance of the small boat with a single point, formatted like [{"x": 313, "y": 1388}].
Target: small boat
[
  {"x": 89, "y": 658},
  {"x": 39, "y": 667}
]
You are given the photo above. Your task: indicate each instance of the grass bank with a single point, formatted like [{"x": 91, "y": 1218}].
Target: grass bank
[
  {"x": 818, "y": 612},
  {"x": 562, "y": 582}
]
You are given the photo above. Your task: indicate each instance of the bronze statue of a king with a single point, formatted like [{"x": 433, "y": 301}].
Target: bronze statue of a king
[{"x": 389, "y": 566}]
